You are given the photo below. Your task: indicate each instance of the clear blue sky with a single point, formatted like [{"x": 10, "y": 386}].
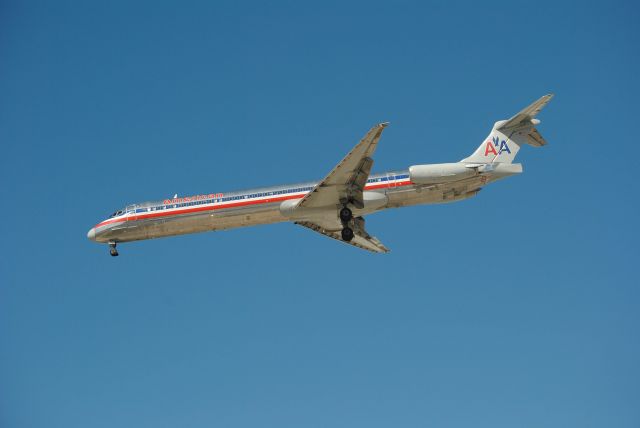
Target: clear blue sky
[{"x": 516, "y": 308}]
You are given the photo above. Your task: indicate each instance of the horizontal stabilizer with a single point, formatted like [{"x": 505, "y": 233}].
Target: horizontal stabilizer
[
  {"x": 525, "y": 116},
  {"x": 535, "y": 139}
]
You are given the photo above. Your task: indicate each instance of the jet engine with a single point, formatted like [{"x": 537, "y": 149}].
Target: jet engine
[{"x": 439, "y": 173}]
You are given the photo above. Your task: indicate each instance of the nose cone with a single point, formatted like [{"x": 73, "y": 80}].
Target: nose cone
[{"x": 92, "y": 234}]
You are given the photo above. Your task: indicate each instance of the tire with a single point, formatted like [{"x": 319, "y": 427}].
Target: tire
[
  {"x": 346, "y": 215},
  {"x": 347, "y": 234}
]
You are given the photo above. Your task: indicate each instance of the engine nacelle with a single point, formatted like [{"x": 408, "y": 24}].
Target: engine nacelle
[{"x": 439, "y": 173}]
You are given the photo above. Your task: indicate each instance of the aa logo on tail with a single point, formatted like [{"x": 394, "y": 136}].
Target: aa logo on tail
[{"x": 496, "y": 147}]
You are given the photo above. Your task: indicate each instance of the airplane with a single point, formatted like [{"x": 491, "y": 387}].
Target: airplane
[{"x": 336, "y": 205}]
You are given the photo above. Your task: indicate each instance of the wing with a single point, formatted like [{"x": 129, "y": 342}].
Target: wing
[
  {"x": 346, "y": 181},
  {"x": 361, "y": 238},
  {"x": 524, "y": 117}
]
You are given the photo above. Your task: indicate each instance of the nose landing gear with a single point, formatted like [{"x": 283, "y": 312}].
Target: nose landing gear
[{"x": 112, "y": 249}]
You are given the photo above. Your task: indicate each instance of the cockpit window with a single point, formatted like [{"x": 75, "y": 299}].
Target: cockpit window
[{"x": 116, "y": 214}]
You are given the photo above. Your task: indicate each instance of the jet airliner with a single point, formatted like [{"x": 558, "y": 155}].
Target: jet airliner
[{"x": 336, "y": 205}]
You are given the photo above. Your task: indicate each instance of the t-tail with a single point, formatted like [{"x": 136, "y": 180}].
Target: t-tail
[{"x": 507, "y": 136}]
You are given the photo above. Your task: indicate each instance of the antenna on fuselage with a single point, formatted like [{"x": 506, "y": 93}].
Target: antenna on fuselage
[{"x": 175, "y": 196}]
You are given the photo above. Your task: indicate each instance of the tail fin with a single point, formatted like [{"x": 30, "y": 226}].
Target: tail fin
[{"x": 506, "y": 137}]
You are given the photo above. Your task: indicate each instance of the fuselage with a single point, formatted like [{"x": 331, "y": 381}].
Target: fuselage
[{"x": 220, "y": 211}]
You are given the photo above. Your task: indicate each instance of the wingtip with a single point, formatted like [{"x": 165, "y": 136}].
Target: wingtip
[{"x": 383, "y": 124}]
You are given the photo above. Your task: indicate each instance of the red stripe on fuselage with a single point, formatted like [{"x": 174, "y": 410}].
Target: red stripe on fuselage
[{"x": 228, "y": 205}]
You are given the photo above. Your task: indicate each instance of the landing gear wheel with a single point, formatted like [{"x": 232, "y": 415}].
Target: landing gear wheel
[
  {"x": 112, "y": 249},
  {"x": 347, "y": 234},
  {"x": 346, "y": 215}
]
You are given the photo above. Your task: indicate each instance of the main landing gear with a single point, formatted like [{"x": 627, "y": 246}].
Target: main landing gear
[
  {"x": 345, "y": 217},
  {"x": 112, "y": 249},
  {"x": 347, "y": 234}
]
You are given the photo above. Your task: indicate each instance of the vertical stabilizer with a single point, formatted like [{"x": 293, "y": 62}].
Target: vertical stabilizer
[{"x": 506, "y": 137}]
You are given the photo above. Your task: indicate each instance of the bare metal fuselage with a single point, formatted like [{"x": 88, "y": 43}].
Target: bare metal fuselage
[{"x": 269, "y": 205}]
